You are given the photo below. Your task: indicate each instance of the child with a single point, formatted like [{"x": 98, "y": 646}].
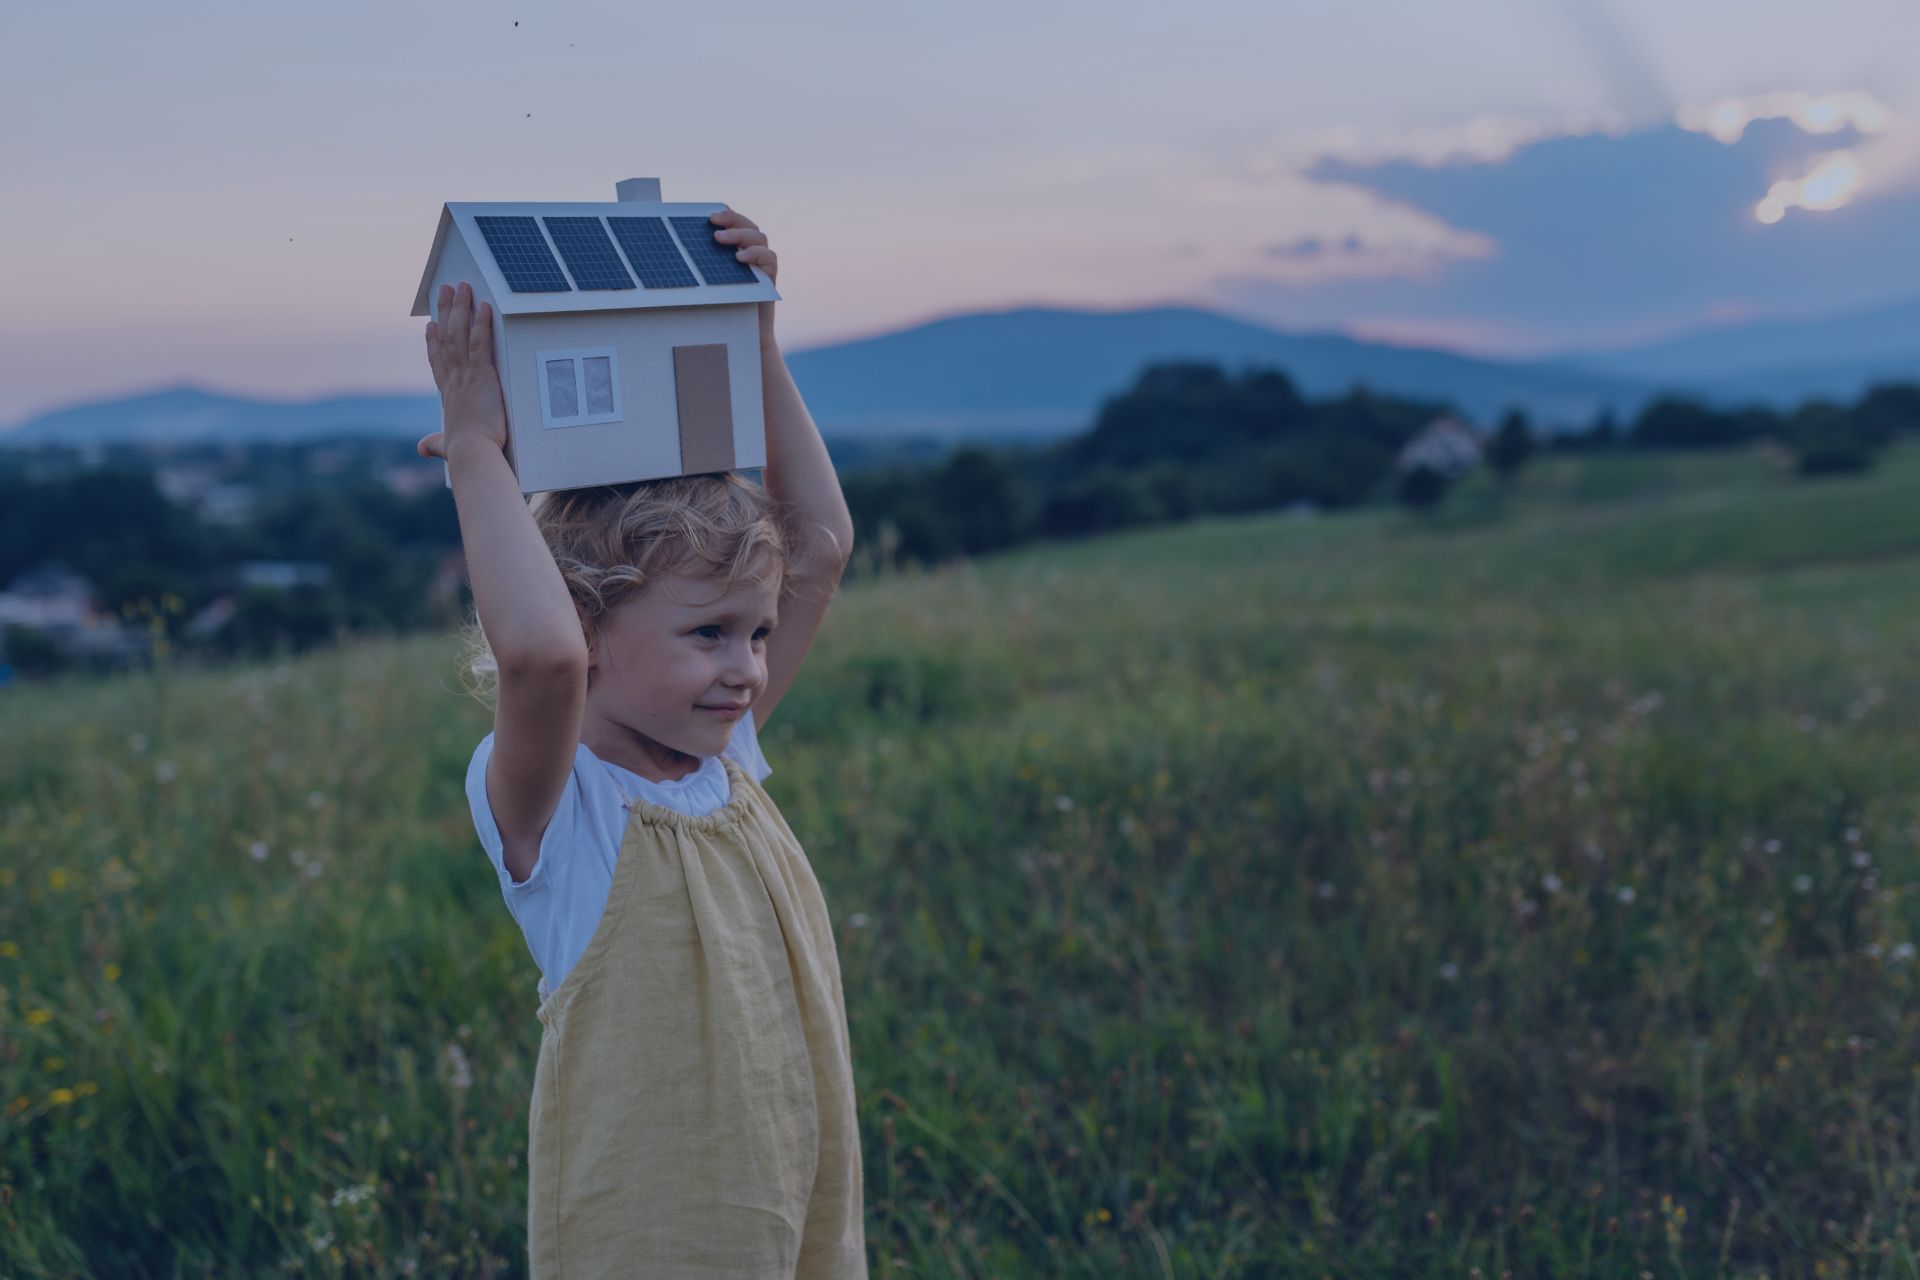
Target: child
[{"x": 692, "y": 1110}]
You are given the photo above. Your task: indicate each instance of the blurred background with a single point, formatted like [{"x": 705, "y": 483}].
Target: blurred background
[{"x": 1369, "y": 730}]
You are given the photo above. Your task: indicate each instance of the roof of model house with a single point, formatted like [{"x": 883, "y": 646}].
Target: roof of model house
[{"x": 639, "y": 251}]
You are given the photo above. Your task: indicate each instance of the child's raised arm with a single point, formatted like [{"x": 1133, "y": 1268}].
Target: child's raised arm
[{"x": 524, "y": 606}]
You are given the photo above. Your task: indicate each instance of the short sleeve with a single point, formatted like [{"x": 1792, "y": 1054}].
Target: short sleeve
[
  {"x": 744, "y": 747},
  {"x": 560, "y": 835}
]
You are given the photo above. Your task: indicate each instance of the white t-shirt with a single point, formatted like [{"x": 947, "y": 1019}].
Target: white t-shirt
[{"x": 559, "y": 904}]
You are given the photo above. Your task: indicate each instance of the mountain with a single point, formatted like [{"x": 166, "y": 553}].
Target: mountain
[
  {"x": 1044, "y": 372},
  {"x": 1048, "y": 370},
  {"x": 1833, "y": 355},
  {"x": 186, "y": 414}
]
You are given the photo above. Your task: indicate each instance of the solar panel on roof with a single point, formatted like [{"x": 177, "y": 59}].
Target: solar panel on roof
[
  {"x": 652, "y": 252},
  {"x": 714, "y": 261},
  {"x": 523, "y": 256},
  {"x": 589, "y": 255}
]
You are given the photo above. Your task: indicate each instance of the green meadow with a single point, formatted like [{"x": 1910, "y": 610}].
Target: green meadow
[{"x": 1530, "y": 891}]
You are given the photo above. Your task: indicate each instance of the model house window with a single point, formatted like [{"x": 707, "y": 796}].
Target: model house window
[{"x": 578, "y": 388}]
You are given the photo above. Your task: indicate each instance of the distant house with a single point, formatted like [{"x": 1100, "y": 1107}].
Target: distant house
[
  {"x": 199, "y": 486},
  {"x": 58, "y": 604},
  {"x": 284, "y": 575},
  {"x": 1446, "y": 445},
  {"x": 47, "y": 598},
  {"x": 627, "y": 337}
]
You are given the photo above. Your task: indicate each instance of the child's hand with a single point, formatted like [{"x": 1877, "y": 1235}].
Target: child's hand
[
  {"x": 739, "y": 233},
  {"x": 461, "y": 353}
]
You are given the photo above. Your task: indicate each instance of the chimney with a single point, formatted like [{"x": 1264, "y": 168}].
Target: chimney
[{"x": 642, "y": 189}]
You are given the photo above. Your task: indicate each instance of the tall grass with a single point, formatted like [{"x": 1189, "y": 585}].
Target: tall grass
[{"x": 1528, "y": 892}]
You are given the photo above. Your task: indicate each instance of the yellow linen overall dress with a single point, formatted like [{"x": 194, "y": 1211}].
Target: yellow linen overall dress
[{"x": 693, "y": 1110}]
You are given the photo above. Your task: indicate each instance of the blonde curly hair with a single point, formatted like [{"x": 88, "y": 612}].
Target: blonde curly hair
[{"x": 611, "y": 541}]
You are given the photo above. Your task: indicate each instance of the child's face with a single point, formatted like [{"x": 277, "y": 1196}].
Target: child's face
[{"x": 680, "y": 647}]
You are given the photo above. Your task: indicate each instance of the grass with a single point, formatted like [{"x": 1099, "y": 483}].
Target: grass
[{"x": 1532, "y": 890}]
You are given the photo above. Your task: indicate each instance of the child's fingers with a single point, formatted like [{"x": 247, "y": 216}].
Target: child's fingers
[
  {"x": 480, "y": 341},
  {"x": 459, "y": 316}
]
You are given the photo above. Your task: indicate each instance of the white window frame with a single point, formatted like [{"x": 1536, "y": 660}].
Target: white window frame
[{"x": 548, "y": 418}]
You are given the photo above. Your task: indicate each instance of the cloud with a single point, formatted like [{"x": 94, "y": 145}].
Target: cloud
[{"x": 1586, "y": 237}]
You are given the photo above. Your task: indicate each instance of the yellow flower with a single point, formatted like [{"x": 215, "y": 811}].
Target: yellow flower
[
  {"x": 113, "y": 973},
  {"x": 9, "y": 949},
  {"x": 86, "y": 1088},
  {"x": 57, "y": 879},
  {"x": 39, "y": 1017},
  {"x": 53, "y": 1064},
  {"x": 61, "y": 1097}
]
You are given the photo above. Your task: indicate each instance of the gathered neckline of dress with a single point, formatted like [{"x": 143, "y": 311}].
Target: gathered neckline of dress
[{"x": 730, "y": 814}]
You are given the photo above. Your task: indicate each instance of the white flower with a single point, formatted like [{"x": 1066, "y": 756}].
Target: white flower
[
  {"x": 257, "y": 851},
  {"x": 298, "y": 857},
  {"x": 1327, "y": 889},
  {"x": 313, "y": 869},
  {"x": 1625, "y": 893},
  {"x": 1766, "y": 918},
  {"x": 1903, "y": 951},
  {"x": 315, "y": 799},
  {"x": 462, "y": 1074},
  {"x": 138, "y": 741},
  {"x": 166, "y": 771},
  {"x": 1802, "y": 882},
  {"x": 1771, "y": 846},
  {"x": 858, "y": 919},
  {"x": 1063, "y": 803},
  {"x": 1450, "y": 971},
  {"x": 1550, "y": 882},
  {"x": 1861, "y": 858},
  {"x": 351, "y": 1195}
]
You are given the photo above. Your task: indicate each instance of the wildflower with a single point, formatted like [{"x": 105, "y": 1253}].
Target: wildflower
[
  {"x": 1903, "y": 951},
  {"x": 1449, "y": 971},
  {"x": 1550, "y": 882},
  {"x": 351, "y": 1195},
  {"x": 313, "y": 869},
  {"x": 39, "y": 1017},
  {"x": 61, "y": 1097},
  {"x": 112, "y": 972},
  {"x": 1802, "y": 882},
  {"x": 1625, "y": 893},
  {"x": 1063, "y": 803},
  {"x": 457, "y": 1064},
  {"x": 166, "y": 771},
  {"x": 316, "y": 799},
  {"x": 57, "y": 879},
  {"x": 858, "y": 919},
  {"x": 1861, "y": 858},
  {"x": 138, "y": 741},
  {"x": 1771, "y": 846},
  {"x": 1766, "y": 917},
  {"x": 1327, "y": 889},
  {"x": 9, "y": 949},
  {"x": 257, "y": 850},
  {"x": 298, "y": 857}
]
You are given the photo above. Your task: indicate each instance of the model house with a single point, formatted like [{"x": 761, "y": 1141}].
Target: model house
[{"x": 627, "y": 337}]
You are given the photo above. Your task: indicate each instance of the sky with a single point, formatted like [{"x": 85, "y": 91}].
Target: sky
[{"x": 242, "y": 196}]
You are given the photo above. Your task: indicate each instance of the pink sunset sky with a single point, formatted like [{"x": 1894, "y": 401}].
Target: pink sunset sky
[{"x": 243, "y": 196}]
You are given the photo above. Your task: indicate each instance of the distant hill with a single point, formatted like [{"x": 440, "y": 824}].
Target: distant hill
[
  {"x": 188, "y": 414},
  {"x": 1836, "y": 355},
  {"x": 1053, "y": 367},
  {"x": 1042, "y": 372}
]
